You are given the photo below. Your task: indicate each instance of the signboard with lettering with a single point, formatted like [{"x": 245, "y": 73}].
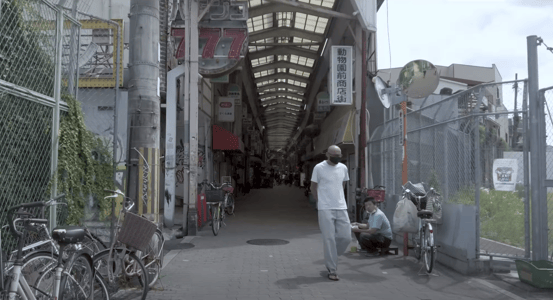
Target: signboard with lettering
[
  {"x": 323, "y": 102},
  {"x": 341, "y": 75},
  {"x": 225, "y": 109},
  {"x": 222, "y": 36},
  {"x": 235, "y": 92},
  {"x": 319, "y": 115},
  {"x": 505, "y": 174}
]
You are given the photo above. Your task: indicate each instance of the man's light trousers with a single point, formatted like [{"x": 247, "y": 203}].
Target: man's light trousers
[{"x": 336, "y": 230}]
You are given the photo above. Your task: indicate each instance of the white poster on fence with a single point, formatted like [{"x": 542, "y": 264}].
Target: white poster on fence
[{"x": 505, "y": 174}]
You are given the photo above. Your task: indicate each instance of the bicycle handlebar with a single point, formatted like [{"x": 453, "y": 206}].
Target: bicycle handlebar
[
  {"x": 12, "y": 211},
  {"x": 129, "y": 203},
  {"x": 214, "y": 186}
]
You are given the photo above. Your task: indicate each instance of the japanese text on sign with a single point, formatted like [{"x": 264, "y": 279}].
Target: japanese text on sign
[
  {"x": 226, "y": 109},
  {"x": 341, "y": 75}
]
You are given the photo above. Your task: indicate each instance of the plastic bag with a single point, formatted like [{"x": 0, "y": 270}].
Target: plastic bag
[
  {"x": 435, "y": 206},
  {"x": 405, "y": 217}
]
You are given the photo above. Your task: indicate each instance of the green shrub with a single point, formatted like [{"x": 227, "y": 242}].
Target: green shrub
[{"x": 85, "y": 167}]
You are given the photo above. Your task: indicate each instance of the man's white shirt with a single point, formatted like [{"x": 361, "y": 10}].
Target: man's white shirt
[{"x": 329, "y": 179}]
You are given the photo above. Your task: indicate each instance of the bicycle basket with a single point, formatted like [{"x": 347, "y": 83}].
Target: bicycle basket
[
  {"x": 214, "y": 195},
  {"x": 136, "y": 231}
]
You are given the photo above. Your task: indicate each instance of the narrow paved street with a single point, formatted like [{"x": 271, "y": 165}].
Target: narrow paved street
[{"x": 227, "y": 267}]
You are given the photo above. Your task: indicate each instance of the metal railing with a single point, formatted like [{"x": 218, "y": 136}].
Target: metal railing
[{"x": 452, "y": 144}]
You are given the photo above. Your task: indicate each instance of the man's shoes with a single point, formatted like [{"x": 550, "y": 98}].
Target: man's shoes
[{"x": 333, "y": 277}]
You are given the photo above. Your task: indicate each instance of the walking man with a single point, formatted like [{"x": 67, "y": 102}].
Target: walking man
[{"x": 327, "y": 185}]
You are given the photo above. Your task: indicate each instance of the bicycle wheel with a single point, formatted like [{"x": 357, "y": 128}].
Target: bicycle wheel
[
  {"x": 77, "y": 283},
  {"x": 122, "y": 286},
  {"x": 429, "y": 249},
  {"x": 230, "y": 205},
  {"x": 417, "y": 243},
  {"x": 151, "y": 258},
  {"x": 216, "y": 219},
  {"x": 39, "y": 271},
  {"x": 93, "y": 243}
]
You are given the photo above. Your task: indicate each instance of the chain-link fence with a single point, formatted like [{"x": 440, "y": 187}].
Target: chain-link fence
[
  {"x": 456, "y": 144},
  {"x": 31, "y": 34},
  {"x": 547, "y": 96},
  {"x": 100, "y": 75}
]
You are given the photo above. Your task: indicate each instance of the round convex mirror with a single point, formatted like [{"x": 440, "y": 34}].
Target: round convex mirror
[{"x": 418, "y": 79}]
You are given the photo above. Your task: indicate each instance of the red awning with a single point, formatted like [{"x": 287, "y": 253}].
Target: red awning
[{"x": 225, "y": 140}]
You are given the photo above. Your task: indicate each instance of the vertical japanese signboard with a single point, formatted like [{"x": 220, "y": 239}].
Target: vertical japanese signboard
[
  {"x": 225, "y": 109},
  {"x": 341, "y": 75}
]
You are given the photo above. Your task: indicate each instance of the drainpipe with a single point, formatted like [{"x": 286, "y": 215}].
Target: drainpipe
[{"x": 171, "y": 145}]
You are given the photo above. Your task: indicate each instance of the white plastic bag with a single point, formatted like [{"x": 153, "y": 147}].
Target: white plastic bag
[{"x": 405, "y": 217}]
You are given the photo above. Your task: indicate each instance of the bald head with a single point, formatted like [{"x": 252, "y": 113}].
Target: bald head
[{"x": 334, "y": 151}]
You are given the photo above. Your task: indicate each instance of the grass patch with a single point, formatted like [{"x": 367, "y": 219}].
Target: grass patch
[{"x": 501, "y": 214}]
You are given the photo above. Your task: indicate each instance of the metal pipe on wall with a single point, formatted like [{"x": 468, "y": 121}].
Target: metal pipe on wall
[
  {"x": 525, "y": 151},
  {"x": 193, "y": 185}
]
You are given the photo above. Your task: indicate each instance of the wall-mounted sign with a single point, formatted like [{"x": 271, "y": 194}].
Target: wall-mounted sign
[
  {"x": 505, "y": 174},
  {"x": 235, "y": 92},
  {"x": 222, "y": 79},
  {"x": 223, "y": 33},
  {"x": 341, "y": 75},
  {"x": 223, "y": 36},
  {"x": 323, "y": 102},
  {"x": 401, "y": 119},
  {"x": 225, "y": 109},
  {"x": 319, "y": 115},
  {"x": 244, "y": 112}
]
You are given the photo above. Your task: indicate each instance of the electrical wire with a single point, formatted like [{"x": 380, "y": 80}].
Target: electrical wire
[{"x": 540, "y": 41}]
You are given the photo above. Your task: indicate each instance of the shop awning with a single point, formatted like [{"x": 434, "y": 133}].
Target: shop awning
[
  {"x": 340, "y": 132},
  {"x": 225, "y": 140}
]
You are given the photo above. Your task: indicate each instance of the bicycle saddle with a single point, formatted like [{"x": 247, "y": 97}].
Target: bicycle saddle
[
  {"x": 228, "y": 189},
  {"x": 425, "y": 214},
  {"x": 68, "y": 234}
]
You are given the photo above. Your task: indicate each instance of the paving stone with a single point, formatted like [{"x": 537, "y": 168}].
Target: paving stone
[{"x": 226, "y": 267}]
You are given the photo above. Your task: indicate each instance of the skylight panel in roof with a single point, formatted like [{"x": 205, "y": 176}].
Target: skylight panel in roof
[
  {"x": 321, "y": 25},
  {"x": 255, "y": 3},
  {"x": 328, "y": 3},
  {"x": 299, "y": 22},
  {"x": 262, "y": 61},
  {"x": 311, "y": 22},
  {"x": 282, "y": 58},
  {"x": 281, "y": 70},
  {"x": 296, "y": 72}
]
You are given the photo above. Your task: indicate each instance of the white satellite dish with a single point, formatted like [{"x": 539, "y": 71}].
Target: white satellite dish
[{"x": 380, "y": 85}]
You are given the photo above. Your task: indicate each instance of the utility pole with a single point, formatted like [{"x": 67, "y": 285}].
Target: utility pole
[
  {"x": 537, "y": 146},
  {"x": 193, "y": 100},
  {"x": 144, "y": 106}
]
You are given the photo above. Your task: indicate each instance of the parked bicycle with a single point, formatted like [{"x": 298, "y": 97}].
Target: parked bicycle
[
  {"x": 424, "y": 244},
  {"x": 121, "y": 264},
  {"x": 67, "y": 276},
  {"x": 220, "y": 202}
]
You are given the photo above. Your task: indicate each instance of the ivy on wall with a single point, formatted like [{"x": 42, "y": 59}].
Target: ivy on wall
[{"x": 85, "y": 167}]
